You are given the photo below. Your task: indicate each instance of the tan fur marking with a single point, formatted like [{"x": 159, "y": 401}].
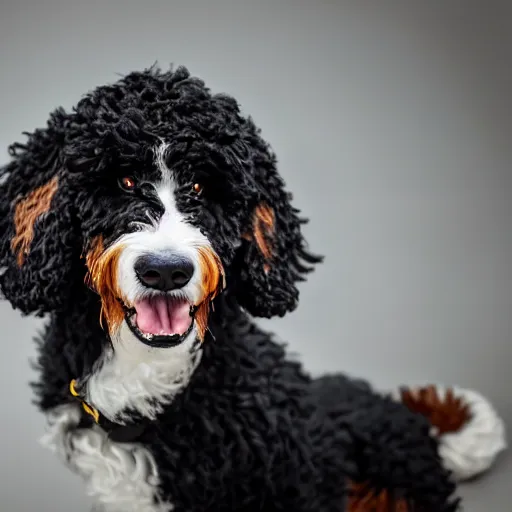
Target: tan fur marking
[
  {"x": 448, "y": 413},
  {"x": 263, "y": 230},
  {"x": 26, "y": 213},
  {"x": 102, "y": 277},
  {"x": 213, "y": 282},
  {"x": 363, "y": 498}
]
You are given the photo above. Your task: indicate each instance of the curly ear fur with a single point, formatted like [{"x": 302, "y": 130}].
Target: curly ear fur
[
  {"x": 273, "y": 256},
  {"x": 40, "y": 232},
  {"x": 37, "y": 240}
]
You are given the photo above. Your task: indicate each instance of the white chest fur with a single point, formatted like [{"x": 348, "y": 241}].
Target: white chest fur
[
  {"x": 122, "y": 477},
  {"x": 136, "y": 377}
]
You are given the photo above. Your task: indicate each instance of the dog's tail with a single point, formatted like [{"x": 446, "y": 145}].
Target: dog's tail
[{"x": 470, "y": 432}]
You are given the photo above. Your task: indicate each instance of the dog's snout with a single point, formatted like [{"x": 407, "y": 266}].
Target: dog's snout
[{"x": 164, "y": 273}]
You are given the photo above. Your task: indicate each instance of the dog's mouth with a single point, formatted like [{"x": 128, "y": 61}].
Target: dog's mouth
[{"x": 161, "y": 321}]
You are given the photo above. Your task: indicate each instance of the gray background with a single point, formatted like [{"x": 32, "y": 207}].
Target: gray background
[{"x": 392, "y": 122}]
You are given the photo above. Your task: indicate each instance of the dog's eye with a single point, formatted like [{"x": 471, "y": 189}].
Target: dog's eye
[
  {"x": 127, "y": 183},
  {"x": 198, "y": 188}
]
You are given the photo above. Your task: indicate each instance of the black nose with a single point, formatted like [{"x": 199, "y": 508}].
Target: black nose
[{"x": 164, "y": 273}]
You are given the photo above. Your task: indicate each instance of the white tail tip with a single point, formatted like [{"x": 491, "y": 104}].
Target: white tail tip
[
  {"x": 470, "y": 432},
  {"x": 473, "y": 449}
]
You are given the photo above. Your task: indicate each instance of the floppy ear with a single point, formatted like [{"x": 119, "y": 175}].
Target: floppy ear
[
  {"x": 273, "y": 256},
  {"x": 38, "y": 244}
]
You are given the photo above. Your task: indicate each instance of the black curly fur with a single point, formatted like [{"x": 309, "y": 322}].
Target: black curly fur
[{"x": 252, "y": 431}]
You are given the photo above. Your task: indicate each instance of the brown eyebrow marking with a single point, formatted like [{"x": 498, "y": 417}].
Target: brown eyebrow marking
[{"x": 26, "y": 213}]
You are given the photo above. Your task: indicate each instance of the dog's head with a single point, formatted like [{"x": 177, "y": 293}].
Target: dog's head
[{"x": 158, "y": 195}]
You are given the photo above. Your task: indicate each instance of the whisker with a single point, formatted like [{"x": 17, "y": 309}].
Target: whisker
[{"x": 211, "y": 334}]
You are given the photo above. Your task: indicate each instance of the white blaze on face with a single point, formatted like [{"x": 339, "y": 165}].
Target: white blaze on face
[
  {"x": 171, "y": 233},
  {"x": 130, "y": 374}
]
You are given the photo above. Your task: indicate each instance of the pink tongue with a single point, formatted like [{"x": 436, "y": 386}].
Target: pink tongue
[{"x": 161, "y": 315}]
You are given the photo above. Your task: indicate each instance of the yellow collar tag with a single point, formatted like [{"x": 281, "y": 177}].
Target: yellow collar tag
[{"x": 87, "y": 408}]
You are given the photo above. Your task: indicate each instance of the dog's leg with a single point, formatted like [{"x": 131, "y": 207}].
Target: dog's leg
[
  {"x": 121, "y": 477},
  {"x": 396, "y": 462}
]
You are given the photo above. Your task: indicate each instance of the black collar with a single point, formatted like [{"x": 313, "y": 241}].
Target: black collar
[{"x": 121, "y": 433}]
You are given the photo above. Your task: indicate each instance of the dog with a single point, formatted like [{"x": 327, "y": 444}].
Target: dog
[{"x": 150, "y": 225}]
